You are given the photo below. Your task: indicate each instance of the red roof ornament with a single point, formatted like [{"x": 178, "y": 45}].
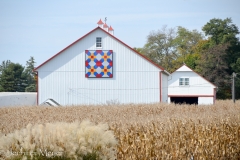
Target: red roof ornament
[
  {"x": 105, "y": 26},
  {"x": 100, "y": 22},
  {"x": 110, "y": 28}
]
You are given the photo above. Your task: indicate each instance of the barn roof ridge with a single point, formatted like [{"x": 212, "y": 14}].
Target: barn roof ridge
[{"x": 143, "y": 56}]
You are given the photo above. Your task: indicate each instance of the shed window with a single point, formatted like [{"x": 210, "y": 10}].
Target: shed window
[
  {"x": 99, "y": 42},
  {"x": 183, "y": 81}
]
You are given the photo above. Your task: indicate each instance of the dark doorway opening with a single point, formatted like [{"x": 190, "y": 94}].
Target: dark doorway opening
[{"x": 186, "y": 100}]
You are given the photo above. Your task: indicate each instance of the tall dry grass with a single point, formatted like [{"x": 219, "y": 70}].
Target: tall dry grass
[
  {"x": 60, "y": 140},
  {"x": 149, "y": 131}
]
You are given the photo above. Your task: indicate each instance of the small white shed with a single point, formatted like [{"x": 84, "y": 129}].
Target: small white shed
[
  {"x": 98, "y": 68},
  {"x": 187, "y": 86}
]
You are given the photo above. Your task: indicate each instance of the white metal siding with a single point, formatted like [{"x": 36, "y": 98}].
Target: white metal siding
[
  {"x": 135, "y": 80},
  {"x": 197, "y": 85},
  {"x": 169, "y": 100},
  {"x": 205, "y": 100},
  {"x": 68, "y": 88},
  {"x": 164, "y": 87}
]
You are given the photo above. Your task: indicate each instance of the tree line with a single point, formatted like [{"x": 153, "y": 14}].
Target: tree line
[
  {"x": 215, "y": 54},
  {"x": 16, "y": 78}
]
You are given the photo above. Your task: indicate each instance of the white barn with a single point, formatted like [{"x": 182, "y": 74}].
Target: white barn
[
  {"x": 98, "y": 68},
  {"x": 186, "y": 86}
]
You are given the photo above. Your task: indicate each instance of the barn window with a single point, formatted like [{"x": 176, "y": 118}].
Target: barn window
[
  {"x": 183, "y": 81},
  {"x": 99, "y": 42}
]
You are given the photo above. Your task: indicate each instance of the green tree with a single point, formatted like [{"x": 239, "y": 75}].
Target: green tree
[
  {"x": 31, "y": 88},
  {"x": 236, "y": 69},
  {"x": 191, "y": 60},
  {"x": 236, "y": 66},
  {"x": 139, "y": 50},
  {"x": 160, "y": 47},
  {"x": 30, "y": 76},
  {"x": 12, "y": 78},
  {"x": 185, "y": 43},
  {"x": 171, "y": 49},
  {"x": 3, "y": 66},
  {"x": 213, "y": 67},
  {"x": 221, "y": 31},
  {"x": 186, "y": 40},
  {"x": 197, "y": 50},
  {"x": 224, "y": 32}
]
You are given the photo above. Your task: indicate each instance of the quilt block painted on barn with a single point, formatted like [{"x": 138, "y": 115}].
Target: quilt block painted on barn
[{"x": 99, "y": 63}]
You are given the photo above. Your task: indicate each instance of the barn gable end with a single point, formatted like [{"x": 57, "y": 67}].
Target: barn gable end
[
  {"x": 135, "y": 78},
  {"x": 187, "y": 86}
]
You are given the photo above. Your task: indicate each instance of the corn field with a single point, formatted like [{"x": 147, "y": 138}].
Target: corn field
[{"x": 148, "y": 131}]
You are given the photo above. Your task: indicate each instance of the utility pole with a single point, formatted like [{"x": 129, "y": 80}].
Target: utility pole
[{"x": 233, "y": 86}]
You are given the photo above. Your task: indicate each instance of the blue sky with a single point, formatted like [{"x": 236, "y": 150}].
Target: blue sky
[{"x": 42, "y": 28}]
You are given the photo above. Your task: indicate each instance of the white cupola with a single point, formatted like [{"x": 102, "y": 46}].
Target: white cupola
[
  {"x": 105, "y": 27},
  {"x": 100, "y": 23},
  {"x": 110, "y": 30}
]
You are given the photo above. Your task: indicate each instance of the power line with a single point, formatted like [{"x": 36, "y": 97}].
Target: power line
[
  {"x": 82, "y": 95},
  {"x": 115, "y": 88},
  {"x": 139, "y": 89}
]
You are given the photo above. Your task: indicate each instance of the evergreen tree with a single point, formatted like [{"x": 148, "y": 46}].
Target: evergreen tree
[
  {"x": 30, "y": 76},
  {"x": 12, "y": 79},
  {"x": 3, "y": 66}
]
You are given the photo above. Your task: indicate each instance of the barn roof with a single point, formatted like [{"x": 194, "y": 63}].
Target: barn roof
[
  {"x": 99, "y": 28},
  {"x": 184, "y": 67}
]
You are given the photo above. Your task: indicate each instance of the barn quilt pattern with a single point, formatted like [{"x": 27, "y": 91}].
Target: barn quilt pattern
[{"x": 99, "y": 64}]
